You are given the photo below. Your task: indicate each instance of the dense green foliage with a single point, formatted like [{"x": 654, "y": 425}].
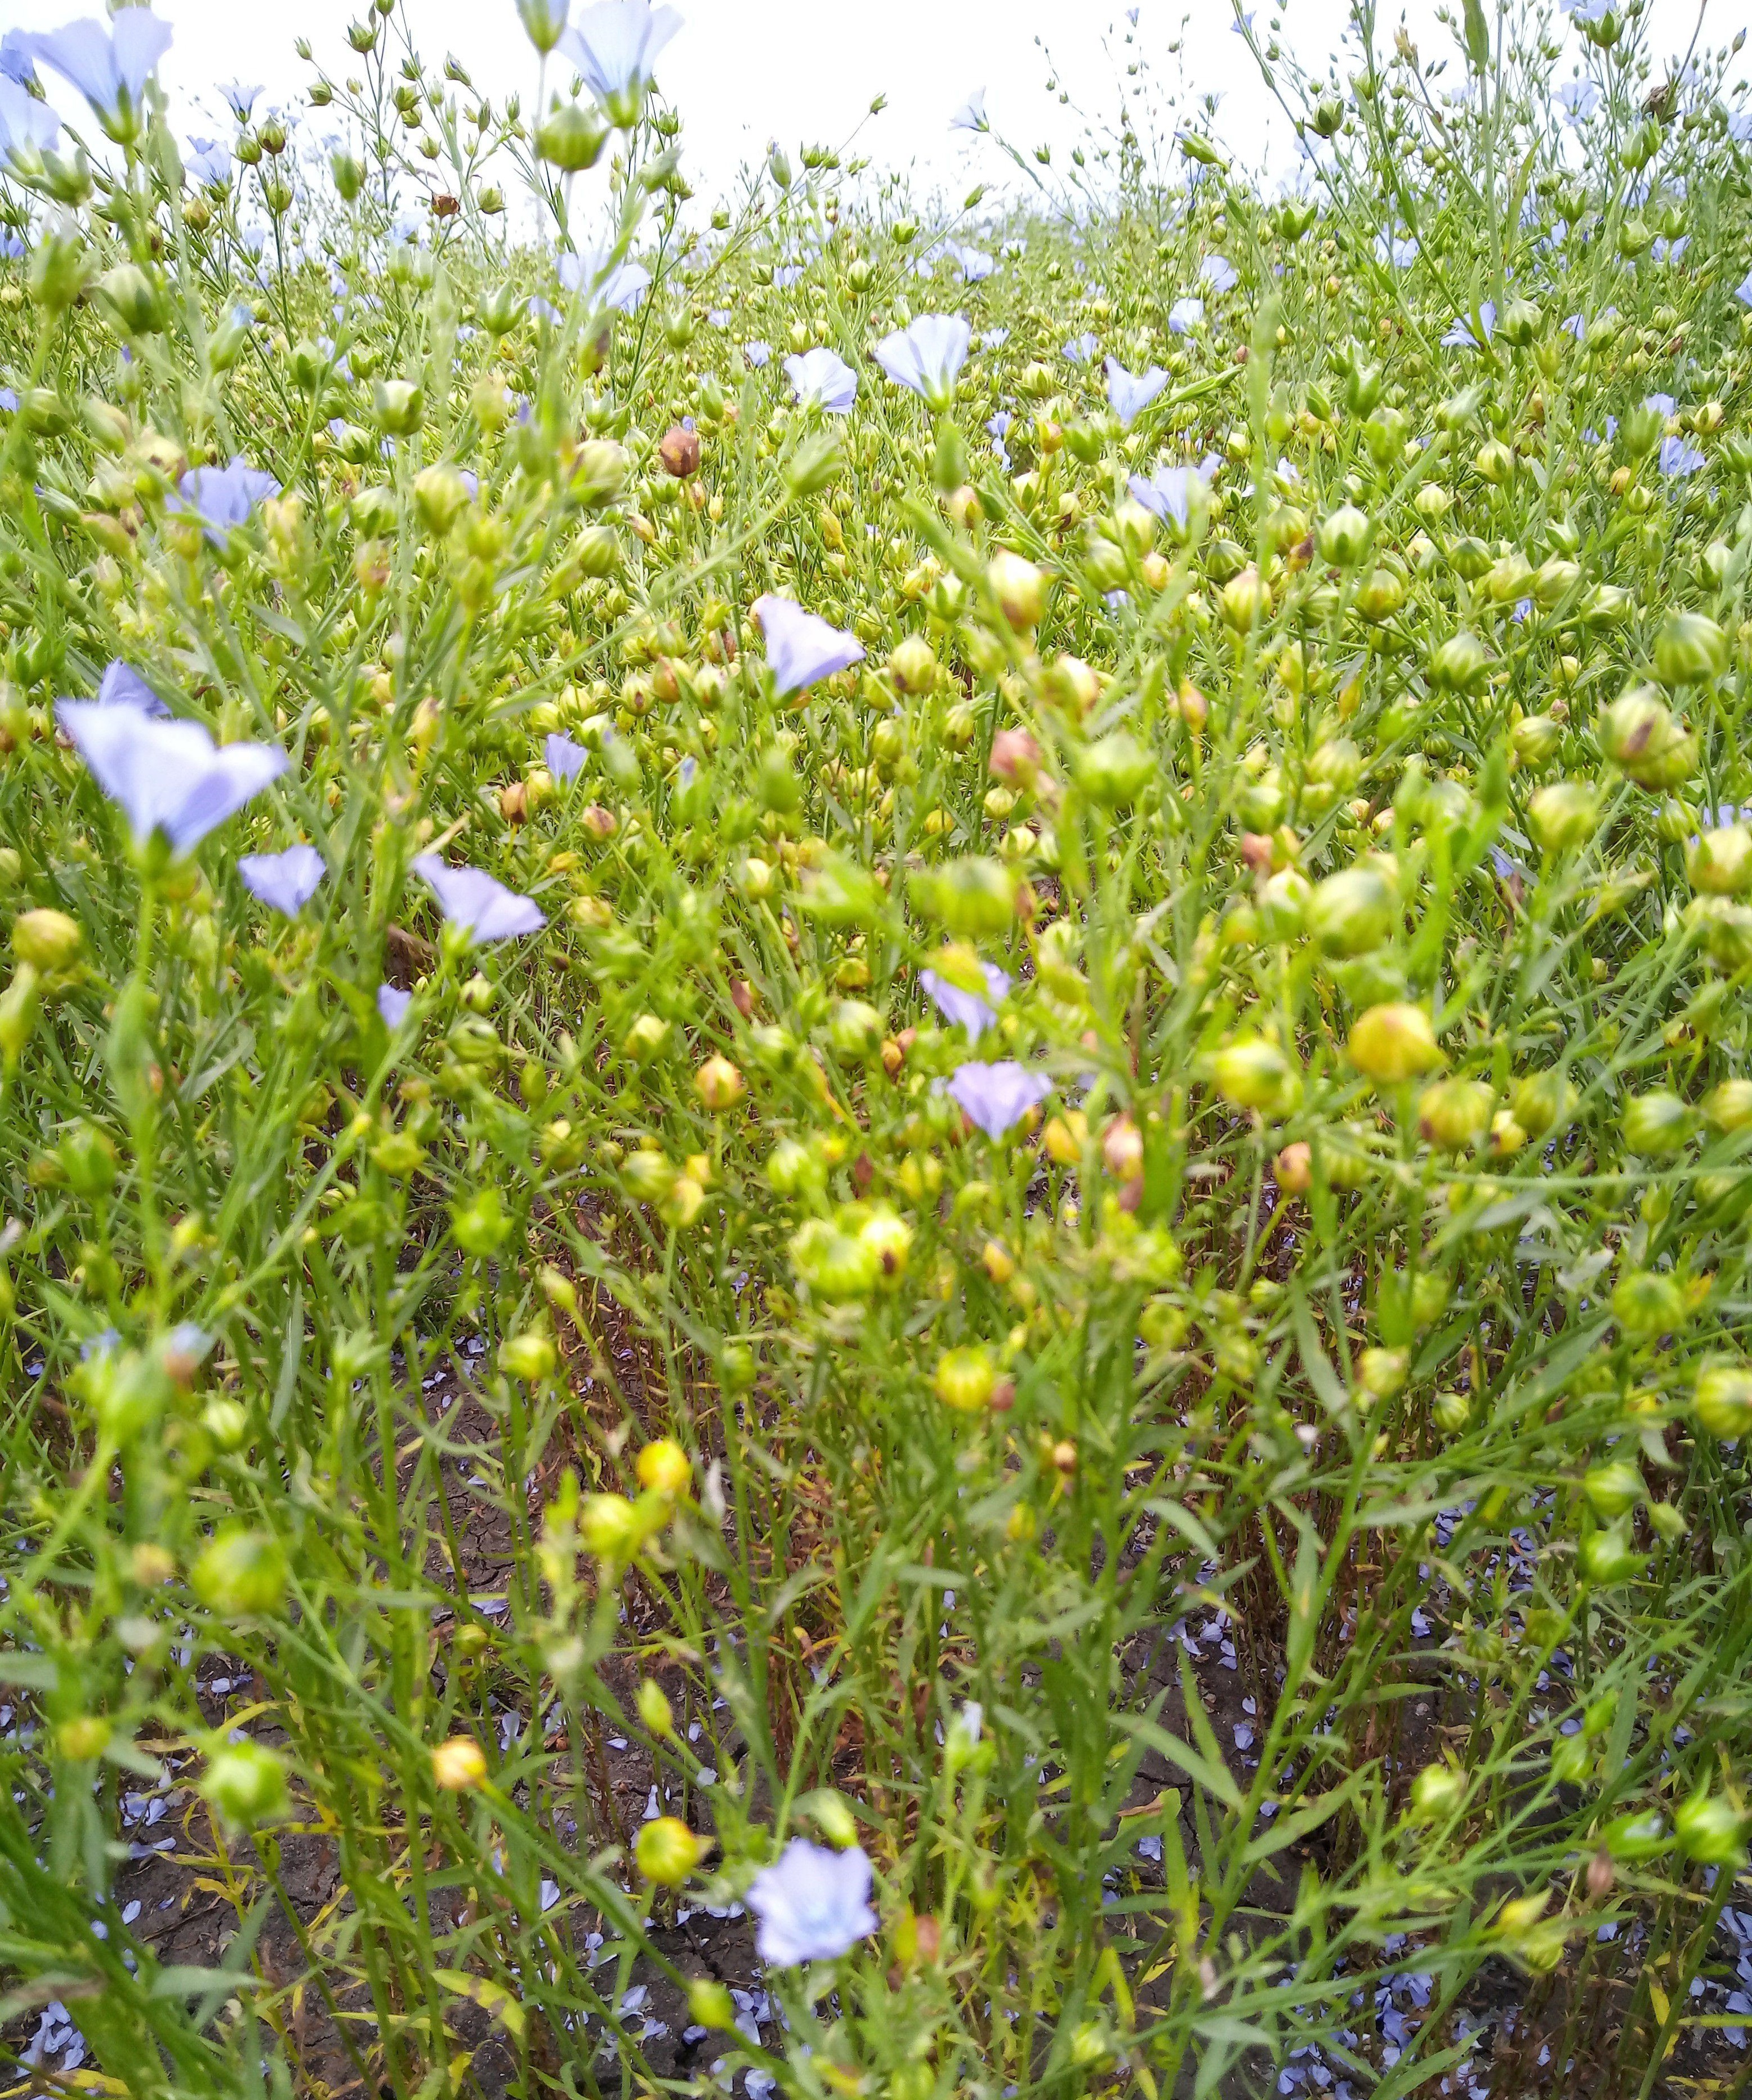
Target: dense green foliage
[{"x": 883, "y": 1383}]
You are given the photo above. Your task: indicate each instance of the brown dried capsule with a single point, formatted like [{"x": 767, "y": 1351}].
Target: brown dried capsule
[{"x": 680, "y": 451}]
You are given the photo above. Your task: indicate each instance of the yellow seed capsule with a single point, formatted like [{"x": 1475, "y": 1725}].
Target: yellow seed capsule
[
  {"x": 964, "y": 1379},
  {"x": 664, "y": 1466},
  {"x": 46, "y": 940},
  {"x": 719, "y": 1084},
  {"x": 667, "y": 1851},
  {"x": 1394, "y": 1043},
  {"x": 1064, "y": 1137},
  {"x": 459, "y": 1765},
  {"x": 608, "y": 1527}
]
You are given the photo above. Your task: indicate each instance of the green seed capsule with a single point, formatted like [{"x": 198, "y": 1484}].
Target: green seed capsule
[
  {"x": 1690, "y": 650},
  {"x": 1722, "y": 1400},
  {"x": 1657, "y": 1122},
  {"x": 1352, "y": 912}
]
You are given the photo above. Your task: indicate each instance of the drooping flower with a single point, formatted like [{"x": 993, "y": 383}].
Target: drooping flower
[
  {"x": 122, "y": 687},
  {"x": 1678, "y": 459},
  {"x": 27, "y": 128},
  {"x": 483, "y": 908},
  {"x": 599, "y": 277},
  {"x": 759, "y": 353},
  {"x": 109, "y": 63},
  {"x": 166, "y": 776},
  {"x": 286, "y": 880},
  {"x": 1081, "y": 349},
  {"x": 1460, "y": 336},
  {"x": 1218, "y": 273},
  {"x": 1184, "y": 315},
  {"x": 566, "y": 760},
  {"x": 223, "y": 496},
  {"x": 971, "y": 116},
  {"x": 814, "y": 1905},
  {"x": 1130, "y": 393},
  {"x": 1169, "y": 492},
  {"x": 615, "y": 47},
  {"x": 16, "y": 63},
  {"x": 995, "y": 1097},
  {"x": 393, "y": 1004},
  {"x": 823, "y": 380},
  {"x": 928, "y": 356},
  {"x": 209, "y": 162},
  {"x": 801, "y": 647},
  {"x": 963, "y": 1008}
]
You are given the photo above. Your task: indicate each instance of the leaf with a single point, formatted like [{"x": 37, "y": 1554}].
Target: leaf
[
  {"x": 34, "y": 1673},
  {"x": 490, "y": 1996},
  {"x": 1477, "y": 36}
]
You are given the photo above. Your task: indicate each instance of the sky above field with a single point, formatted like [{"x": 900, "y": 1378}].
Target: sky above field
[{"x": 745, "y": 72}]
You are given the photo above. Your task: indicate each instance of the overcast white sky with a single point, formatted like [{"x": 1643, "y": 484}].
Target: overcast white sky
[{"x": 745, "y": 71}]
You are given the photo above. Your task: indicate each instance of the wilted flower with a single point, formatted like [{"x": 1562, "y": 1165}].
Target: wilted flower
[
  {"x": 1218, "y": 273},
  {"x": 223, "y": 496},
  {"x": 615, "y": 45},
  {"x": 823, "y": 380},
  {"x": 565, "y": 760},
  {"x": 286, "y": 880},
  {"x": 596, "y": 274},
  {"x": 995, "y": 1097},
  {"x": 470, "y": 898},
  {"x": 928, "y": 356},
  {"x": 1130, "y": 393},
  {"x": 801, "y": 647},
  {"x": 966, "y": 1009},
  {"x": 814, "y": 1905},
  {"x": 971, "y": 116},
  {"x": 1185, "y": 314},
  {"x": 167, "y": 776},
  {"x": 108, "y": 63}
]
